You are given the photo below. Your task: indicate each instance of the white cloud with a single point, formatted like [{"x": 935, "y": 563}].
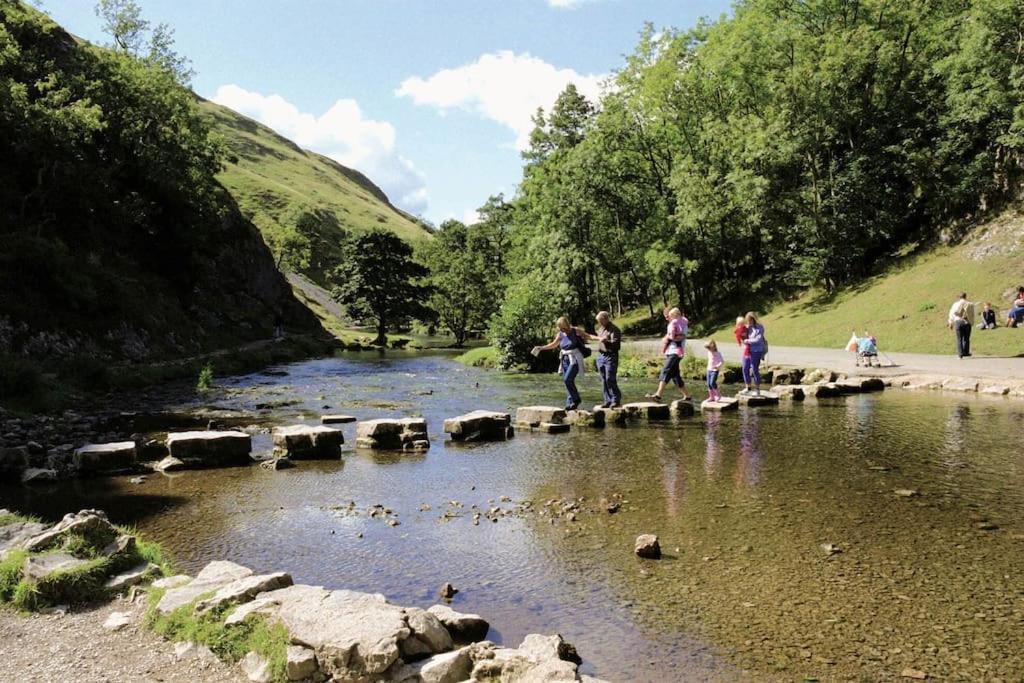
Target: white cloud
[
  {"x": 470, "y": 217},
  {"x": 567, "y": 4},
  {"x": 503, "y": 86},
  {"x": 341, "y": 133}
]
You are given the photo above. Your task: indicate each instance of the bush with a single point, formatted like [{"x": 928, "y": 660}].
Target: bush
[
  {"x": 526, "y": 319},
  {"x": 205, "y": 381}
]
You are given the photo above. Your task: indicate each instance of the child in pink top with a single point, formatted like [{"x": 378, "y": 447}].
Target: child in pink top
[{"x": 715, "y": 362}]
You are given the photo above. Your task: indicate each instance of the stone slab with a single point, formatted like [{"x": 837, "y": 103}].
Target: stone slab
[
  {"x": 531, "y": 416},
  {"x": 480, "y": 425},
  {"x": 105, "y": 457},
  {"x": 647, "y": 410},
  {"x": 757, "y": 400},
  {"x": 309, "y": 442},
  {"x": 723, "y": 404},
  {"x": 585, "y": 418},
  {"x": 337, "y": 419},
  {"x": 211, "y": 448},
  {"x": 681, "y": 408},
  {"x": 401, "y": 434}
]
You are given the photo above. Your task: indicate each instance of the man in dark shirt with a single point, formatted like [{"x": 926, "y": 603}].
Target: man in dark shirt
[{"x": 609, "y": 338}]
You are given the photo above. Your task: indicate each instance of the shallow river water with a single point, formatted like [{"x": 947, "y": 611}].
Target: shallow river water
[{"x": 743, "y": 504}]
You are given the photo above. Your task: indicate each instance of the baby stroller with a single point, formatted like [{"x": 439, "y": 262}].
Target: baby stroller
[{"x": 867, "y": 350}]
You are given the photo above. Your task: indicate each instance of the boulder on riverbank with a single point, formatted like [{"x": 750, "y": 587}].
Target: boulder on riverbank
[
  {"x": 210, "y": 448},
  {"x": 308, "y": 442},
  {"x": 406, "y": 434},
  {"x": 479, "y": 425}
]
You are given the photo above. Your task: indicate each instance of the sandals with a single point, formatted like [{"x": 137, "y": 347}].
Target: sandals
[{"x": 654, "y": 397}]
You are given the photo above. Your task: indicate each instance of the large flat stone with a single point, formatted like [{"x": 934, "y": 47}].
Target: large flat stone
[
  {"x": 243, "y": 590},
  {"x": 38, "y": 567},
  {"x": 479, "y": 425},
  {"x": 757, "y": 400},
  {"x": 405, "y": 434},
  {"x": 105, "y": 457},
  {"x": 212, "y": 578},
  {"x": 140, "y": 573},
  {"x": 822, "y": 390},
  {"x": 532, "y": 416},
  {"x": 647, "y": 410},
  {"x": 308, "y": 442},
  {"x": 789, "y": 392},
  {"x": 722, "y": 404},
  {"x": 337, "y": 419},
  {"x": 681, "y": 408},
  {"x": 211, "y": 448},
  {"x": 585, "y": 418}
]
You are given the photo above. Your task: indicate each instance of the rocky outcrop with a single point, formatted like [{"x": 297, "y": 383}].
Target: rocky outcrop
[
  {"x": 308, "y": 442},
  {"x": 91, "y": 525},
  {"x": 480, "y": 425},
  {"x": 210, "y": 448},
  {"x": 212, "y": 578},
  {"x": 407, "y": 434},
  {"x": 105, "y": 457}
]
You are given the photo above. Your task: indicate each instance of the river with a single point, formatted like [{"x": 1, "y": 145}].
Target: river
[{"x": 745, "y": 505}]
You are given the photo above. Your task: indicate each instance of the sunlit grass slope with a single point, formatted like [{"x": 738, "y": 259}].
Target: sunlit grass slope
[{"x": 906, "y": 306}]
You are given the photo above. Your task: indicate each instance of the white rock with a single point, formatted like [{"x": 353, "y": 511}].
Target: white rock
[
  {"x": 301, "y": 663},
  {"x": 465, "y": 628},
  {"x": 449, "y": 667},
  {"x": 213, "y": 577},
  {"x": 117, "y": 621},
  {"x": 243, "y": 590},
  {"x": 176, "y": 581},
  {"x": 256, "y": 668},
  {"x": 134, "y": 576}
]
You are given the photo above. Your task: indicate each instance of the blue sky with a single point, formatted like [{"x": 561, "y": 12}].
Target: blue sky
[{"x": 430, "y": 98}]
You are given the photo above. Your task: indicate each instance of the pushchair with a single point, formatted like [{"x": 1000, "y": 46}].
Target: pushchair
[{"x": 867, "y": 351}]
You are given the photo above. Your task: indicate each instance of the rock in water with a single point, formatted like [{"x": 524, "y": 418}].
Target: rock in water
[
  {"x": 336, "y": 419},
  {"x": 408, "y": 434},
  {"x": 534, "y": 416},
  {"x": 170, "y": 464},
  {"x": 13, "y": 461},
  {"x": 211, "y": 448},
  {"x": 105, "y": 457},
  {"x": 585, "y": 418},
  {"x": 681, "y": 408},
  {"x": 647, "y": 410},
  {"x": 647, "y": 546},
  {"x": 37, "y": 475},
  {"x": 479, "y": 425},
  {"x": 464, "y": 628},
  {"x": 448, "y": 591},
  {"x": 308, "y": 442}
]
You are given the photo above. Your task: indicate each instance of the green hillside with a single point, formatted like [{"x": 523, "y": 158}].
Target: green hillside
[
  {"x": 906, "y": 306},
  {"x": 300, "y": 196}
]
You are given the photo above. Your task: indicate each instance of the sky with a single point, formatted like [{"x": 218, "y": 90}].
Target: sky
[{"x": 429, "y": 98}]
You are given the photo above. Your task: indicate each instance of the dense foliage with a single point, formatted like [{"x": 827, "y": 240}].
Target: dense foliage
[{"x": 795, "y": 143}]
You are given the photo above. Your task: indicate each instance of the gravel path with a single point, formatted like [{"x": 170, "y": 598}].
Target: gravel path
[
  {"x": 75, "y": 648},
  {"x": 842, "y": 361}
]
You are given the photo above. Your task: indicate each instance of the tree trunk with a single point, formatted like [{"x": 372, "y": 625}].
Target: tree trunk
[{"x": 382, "y": 337}]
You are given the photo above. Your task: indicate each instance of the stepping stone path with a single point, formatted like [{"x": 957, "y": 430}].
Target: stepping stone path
[
  {"x": 790, "y": 392},
  {"x": 480, "y": 425},
  {"x": 105, "y": 457},
  {"x": 337, "y": 419},
  {"x": 534, "y": 416},
  {"x": 722, "y": 404},
  {"x": 585, "y": 418},
  {"x": 210, "y": 448},
  {"x": 647, "y": 410},
  {"x": 612, "y": 415},
  {"x": 758, "y": 400},
  {"x": 310, "y": 442},
  {"x": 407, "y": 434}
]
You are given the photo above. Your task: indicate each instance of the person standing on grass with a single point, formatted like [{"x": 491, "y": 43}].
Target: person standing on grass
[
  {"x": 757, "y": 346},
  {"x": 609, "y": 339},
  {"x": 673, "y": 348},
  {"x": 570, "y": 344},
  {"x": 961, "y": 320}
]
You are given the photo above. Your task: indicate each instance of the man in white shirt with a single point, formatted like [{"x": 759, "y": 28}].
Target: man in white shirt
[{"x": 961, "y": 320}]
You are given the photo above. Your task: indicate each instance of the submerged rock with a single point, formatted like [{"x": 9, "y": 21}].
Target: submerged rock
[{"x": 448, "y": 591}]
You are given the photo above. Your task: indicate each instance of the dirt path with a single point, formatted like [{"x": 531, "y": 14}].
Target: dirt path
[
  {"x": 75, "y": 648},
  {"x": 836, "y": 359}
]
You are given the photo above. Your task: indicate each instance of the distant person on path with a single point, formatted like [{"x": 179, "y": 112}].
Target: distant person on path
[
  {"x": 961, "y": 320},
  {"x": 867, "y": 349},
  {"x": 1016, "y": 314},
  {"x": 715, "y": 362},
  {"x": 988, "y": 318},
  {"x": 673, "y": 348},
  {"x": 756, "y": 345},
  {"x": 570, "y": 345},
  {"x": 609, "y": 339}
]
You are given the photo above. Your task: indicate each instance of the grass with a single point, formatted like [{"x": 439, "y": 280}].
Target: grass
[
  {"x": 274, "y": 181},
  {"x": 230, "y": 643},
  {"x": 906, "y": 306},
  {"x": 480, "y": 357}
]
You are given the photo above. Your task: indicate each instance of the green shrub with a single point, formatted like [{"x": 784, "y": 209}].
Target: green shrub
[
  {"x": 480, "y": 357},
  {"x": 205, "y": 381},
  {"x": 10, "y": 573}
]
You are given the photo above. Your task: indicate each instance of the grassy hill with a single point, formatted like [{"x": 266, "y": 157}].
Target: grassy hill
[
  {"x": 906, "y": 306},
  {"x": 275, "y": 182}
]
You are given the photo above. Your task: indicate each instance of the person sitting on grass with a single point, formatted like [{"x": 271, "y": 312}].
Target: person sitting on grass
[
  {"x": 1016, "y": 313},
  {"x": 673, "y": 348},
  {"x": 988, "y": 318}
]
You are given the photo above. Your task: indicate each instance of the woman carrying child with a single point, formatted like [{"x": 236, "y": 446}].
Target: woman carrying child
[{"x": 673, "y": 348}]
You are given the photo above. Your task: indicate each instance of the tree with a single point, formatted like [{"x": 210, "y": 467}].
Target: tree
[
  {"x": 134, "y": 35},
  {"x": 379, "y": 279},
  {"x": 463, "y": 280}
]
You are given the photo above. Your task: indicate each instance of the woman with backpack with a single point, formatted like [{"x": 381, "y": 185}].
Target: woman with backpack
[{"x": 572, "y": 349}]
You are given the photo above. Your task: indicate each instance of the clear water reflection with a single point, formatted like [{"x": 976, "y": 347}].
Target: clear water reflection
[{"x": 742, "y": 503}]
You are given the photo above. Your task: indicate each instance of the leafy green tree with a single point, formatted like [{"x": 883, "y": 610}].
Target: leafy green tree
[
  {"x": 463, "y": 281},
  {"x": 379, "y": 280},
  {"x": 134, "y": 35}
]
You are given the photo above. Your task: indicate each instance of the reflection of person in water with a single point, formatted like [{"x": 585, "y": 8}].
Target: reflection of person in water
[
  {"x": 748, "y": 465},
  {"x": 673, "y": 477},
  {"x": 712, "y": 449},
  {"x": 958, "y": 427}
]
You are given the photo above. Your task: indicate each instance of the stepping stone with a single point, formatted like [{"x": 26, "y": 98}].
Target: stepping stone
[
  {"x": 337, "y": 419},
  {"x": 211, "y": 448},
  {"x": 584, "y": 418},
  {"x": 724, "y": 403},
  {"x": 311, "y": 442},
  {"x": 965, "y": 385},
  {"x": 757, "y": 400},
  {"x": 480, "y": 425},
  {"x": 822, "y": 390},
  {"x": 551, "y": 428},
  {"x": 612, "y": 415},
  {"x": 647, "y": 410},
  {"x": 789, "y": 392},
  {"x": 531, "y": 416},
  {"x": 681, "y": 408},
  {"x": 406, "y": 434},
  {"x": 105, "y": 457}
]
